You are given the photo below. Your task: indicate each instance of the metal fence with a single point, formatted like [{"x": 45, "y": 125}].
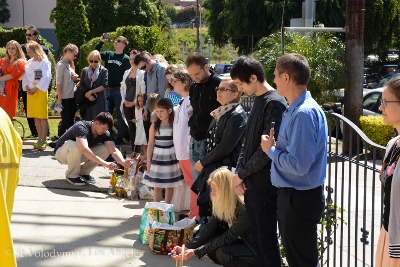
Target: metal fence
[{"x": 353, "y": 216}]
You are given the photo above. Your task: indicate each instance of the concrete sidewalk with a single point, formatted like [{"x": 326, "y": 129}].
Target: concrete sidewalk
[{"x": 58, "y": 224}]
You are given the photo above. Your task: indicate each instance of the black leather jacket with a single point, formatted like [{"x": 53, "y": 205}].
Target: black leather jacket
[
  {"x": 217, "y": 233},
  {"x": 229, "y": 137},
  {"x": 203, "y": 100}
]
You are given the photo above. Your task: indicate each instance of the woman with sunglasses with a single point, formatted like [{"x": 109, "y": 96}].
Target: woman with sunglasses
[
  {"x": 388, "y": 250},
  {"x": 223, "y": 141},
  {"x": 132, "y": 84},
  {"x": 94, "y": 79},
  {"x": 65, "y": 84}
]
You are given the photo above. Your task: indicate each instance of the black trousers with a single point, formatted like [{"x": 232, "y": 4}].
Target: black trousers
[
  {"x": 129, "y": 115},
  {"x": 236, "y": 254},
  {"x": 299, "y": 212},
  {"x": 261, "y": 210},
  {"x": 67, "y": 114}
]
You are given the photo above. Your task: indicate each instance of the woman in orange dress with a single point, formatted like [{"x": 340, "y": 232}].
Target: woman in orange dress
[{"x": 13, "y": 67}]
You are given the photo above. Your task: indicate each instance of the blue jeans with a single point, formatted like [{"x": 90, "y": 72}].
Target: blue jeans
[
  {"x": 114, "y": 100},
  {"x": 197, "y": 149},
  {"x": 262, "y": 212}
]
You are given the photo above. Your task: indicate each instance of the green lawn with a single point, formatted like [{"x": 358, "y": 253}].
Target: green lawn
[{"x": 53, "y": 124}]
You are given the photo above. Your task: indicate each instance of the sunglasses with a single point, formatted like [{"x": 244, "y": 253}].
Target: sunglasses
[
  {"x": 30, "y": 34},
  {"x": 75, "y": 55},
  {"x": 120, "y": 41},
  {"x": 93, "y": 61},
  {"x": 143, "y": 67},
  {"x": 223, "y": 89}
]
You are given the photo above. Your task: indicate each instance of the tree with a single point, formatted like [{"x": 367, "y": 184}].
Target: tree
[
  {"x": 4, "y": 12},
  {"x": 216, "y": 22},
  {"x": 325, "y": 54},
  {"x": 163, "y": 20},
  {"x": 101, "y": 15},
  {"x": 71, "y": 23},
  {"x": 171, "y": 12},
  {"x": 260, "y": 18},
  {"x": 107, "y": 15},
  {"x": 187, "y": 14}
]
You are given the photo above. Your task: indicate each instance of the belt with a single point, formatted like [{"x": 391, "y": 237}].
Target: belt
[
  {"x": 284, "y": 190},
  {"x": 114, "y": 88}
]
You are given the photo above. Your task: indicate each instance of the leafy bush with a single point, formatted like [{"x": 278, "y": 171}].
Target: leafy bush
[
  {"x": 18, "y": 34},
  {"x": 376, "y": 130},
  {"x": 325, "y": 54},
  {"x": 151, "y": 39}
]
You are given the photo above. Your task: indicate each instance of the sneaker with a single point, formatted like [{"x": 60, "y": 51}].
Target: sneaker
[
  {"x": 42, "y": 146},
  {"x": 75, "y": 181},
  {"x": 36, "y": 145},
  {"x": 88, "y": 179}
]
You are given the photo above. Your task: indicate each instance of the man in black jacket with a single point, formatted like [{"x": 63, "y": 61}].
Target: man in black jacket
[
  {"x": 203, "y": 99},
  {"x": 253, "y": 178}
]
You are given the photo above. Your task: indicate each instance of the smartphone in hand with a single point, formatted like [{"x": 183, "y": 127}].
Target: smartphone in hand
[
  {"x": 106, "y": 36},
  {"x": 272, "y": 125}
]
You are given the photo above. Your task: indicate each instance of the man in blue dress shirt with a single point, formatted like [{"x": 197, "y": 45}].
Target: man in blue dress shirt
[{"x": 299, "y": 162}]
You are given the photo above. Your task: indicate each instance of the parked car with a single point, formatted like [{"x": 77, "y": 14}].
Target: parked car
[
  {"x": 224, "y": 76},
  {"x": 369, "y": 75},
  {"x": 371, "y": 101},
  {"x": 382, "y": 81},
  {"x": 222, "y": 68}
]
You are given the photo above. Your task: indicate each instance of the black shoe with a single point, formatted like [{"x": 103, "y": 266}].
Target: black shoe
[
  {"x": 75, "y": 181},
  {"x": 88, "y": 179},
  {"x": 55, "y": 138},
  {"x": 53, "y": 144}
]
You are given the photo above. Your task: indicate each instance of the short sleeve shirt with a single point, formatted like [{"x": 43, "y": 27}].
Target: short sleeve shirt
[{"x": 82, "y": 129}]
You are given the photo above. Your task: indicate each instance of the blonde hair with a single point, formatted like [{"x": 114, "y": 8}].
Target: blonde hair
[
  {"x": 233, "y": 86},
  {"x": 184, "y": 76},
  {"x": 94, "y": 55},
  {"x": 36, "y": 49},
  {"x": 72, "y": 48},
  {"x": 18, "y": 57},
  {"x": 160, "y": 58},
  {"x": 152, "y": 100},
  {"x": 226, "y": 199}
]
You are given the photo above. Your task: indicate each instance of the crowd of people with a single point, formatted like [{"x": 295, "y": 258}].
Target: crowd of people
[{"x": 244, "y": 173}]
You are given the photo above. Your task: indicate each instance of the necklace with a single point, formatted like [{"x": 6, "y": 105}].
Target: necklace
[{"x": 390, "y": 163}]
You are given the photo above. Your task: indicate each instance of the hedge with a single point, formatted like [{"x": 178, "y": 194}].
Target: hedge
[
  {"x": 18, "y": 34},
  {"x": 376, "y": 130},
  {"x": 151, "y": 39}
]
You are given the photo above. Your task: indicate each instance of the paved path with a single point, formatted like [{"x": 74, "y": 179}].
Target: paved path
[{"x": 57, "y": 224}]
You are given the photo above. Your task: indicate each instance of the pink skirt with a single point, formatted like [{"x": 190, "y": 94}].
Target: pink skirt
[{"x": 382, "y": 252}]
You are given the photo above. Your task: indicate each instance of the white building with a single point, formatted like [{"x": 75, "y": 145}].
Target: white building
[{"x": 36, "y": 12}]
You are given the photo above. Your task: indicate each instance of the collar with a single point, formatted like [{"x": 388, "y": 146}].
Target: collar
[{"x": 298, "y": 101}]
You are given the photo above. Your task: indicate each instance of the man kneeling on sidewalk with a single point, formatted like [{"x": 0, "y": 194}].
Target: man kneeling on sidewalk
[{"x": 90, "y": 143}]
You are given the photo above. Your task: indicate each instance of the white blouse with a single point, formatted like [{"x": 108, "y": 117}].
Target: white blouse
[{"x": 38, "y": 72}]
